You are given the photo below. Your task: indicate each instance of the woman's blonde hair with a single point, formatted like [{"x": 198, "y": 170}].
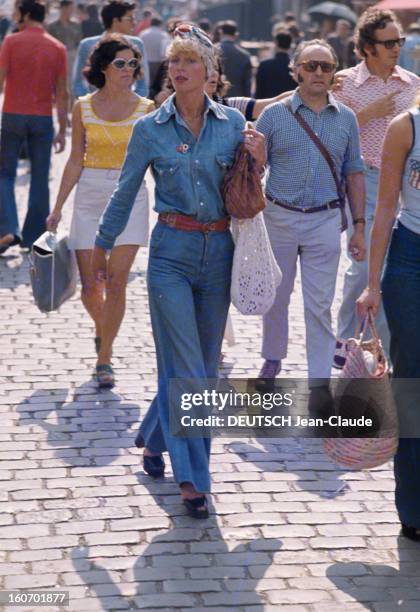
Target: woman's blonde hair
[{"x": 190, "y": 47}]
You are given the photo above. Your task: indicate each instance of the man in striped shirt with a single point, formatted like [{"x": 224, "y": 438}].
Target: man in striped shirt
[
  {"x": 377, "y": 90},
  {"x": 303, "y": 215}
]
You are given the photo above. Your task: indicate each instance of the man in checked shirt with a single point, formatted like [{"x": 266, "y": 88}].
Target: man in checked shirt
[
  {"x": 376, "y": 90},
  {"x": 302, "y": 215}
]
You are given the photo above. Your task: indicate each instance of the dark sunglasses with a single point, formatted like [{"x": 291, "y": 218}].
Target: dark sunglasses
[
  {"x": 312, "y": 66},
  {"x": 120, "y": 63},
  {"x": 389, "y": 44}
]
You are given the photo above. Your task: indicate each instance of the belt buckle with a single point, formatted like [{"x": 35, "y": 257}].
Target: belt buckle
[
  {"x": 171, "y": 218},
  {"x": 209, "y": 227},
  {"x": 304, "y": 210}
]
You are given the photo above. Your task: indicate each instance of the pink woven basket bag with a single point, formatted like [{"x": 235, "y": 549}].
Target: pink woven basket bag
[{"x": 367, "y": 389}]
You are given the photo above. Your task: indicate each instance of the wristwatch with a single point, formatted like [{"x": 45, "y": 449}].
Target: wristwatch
[{"x": 361, "y": 220}]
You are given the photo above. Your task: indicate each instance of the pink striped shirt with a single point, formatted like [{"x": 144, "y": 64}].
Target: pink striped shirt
[{"x": 361, "y": 88}]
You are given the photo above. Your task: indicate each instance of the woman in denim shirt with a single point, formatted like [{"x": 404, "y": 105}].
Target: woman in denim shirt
[{"x": 189, "y": 143}]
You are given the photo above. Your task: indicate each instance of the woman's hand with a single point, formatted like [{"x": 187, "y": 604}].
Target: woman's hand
[
  {"x": 99, "y": 264},
  {"x": 255, "y": 145},
  {"x": 369, "y": 300},
  {"x": 53, "y": 220}
]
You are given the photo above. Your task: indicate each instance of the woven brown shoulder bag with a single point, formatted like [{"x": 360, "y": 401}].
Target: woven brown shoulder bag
[{"x": 242, "y": 189}]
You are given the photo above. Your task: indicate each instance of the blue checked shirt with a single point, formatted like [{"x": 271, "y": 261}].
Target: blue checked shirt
[{"x": 298, "y": 173}]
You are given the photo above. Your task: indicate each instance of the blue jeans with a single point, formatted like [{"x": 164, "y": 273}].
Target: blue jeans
[
  {"x": 38, "y": 132},
  {"x": 356, "y": 276},
  {"x": 188, "y": 280},
  {"x": 401, "y": 299}
]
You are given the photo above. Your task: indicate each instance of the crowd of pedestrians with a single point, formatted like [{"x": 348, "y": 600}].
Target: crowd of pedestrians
[{"x": 336, "y": 140}]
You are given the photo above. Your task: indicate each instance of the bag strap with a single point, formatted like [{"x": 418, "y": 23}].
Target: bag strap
[
  {"x": 364, "y": 325},
  {"x": 326, "y": 155}
]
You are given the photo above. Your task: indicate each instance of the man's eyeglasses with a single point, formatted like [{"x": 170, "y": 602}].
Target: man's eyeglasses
[
  {"x": 130, "y": 19},
  {"x": 312, "y": 66},
  {"x": 389, "y": 44},
  {"x": 120, "y": 63}
]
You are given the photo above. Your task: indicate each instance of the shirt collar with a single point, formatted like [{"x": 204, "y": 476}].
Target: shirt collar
[
  {"x": 363, "y": 74},
  {"x": 168, "y": 109},
  {"x": 297, "y": 101}
]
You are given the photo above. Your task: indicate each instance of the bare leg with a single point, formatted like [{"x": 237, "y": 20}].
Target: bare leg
[
  {"x": 92, "y": 290},
  {"x": 119, "y": 266}
]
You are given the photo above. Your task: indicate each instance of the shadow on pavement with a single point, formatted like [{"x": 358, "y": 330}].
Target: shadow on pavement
[
  {"x": 381, "y": 588},
  {"x": 280, "y": 455},
  {"x": 81, "y": 433},
  {"x": 192, "y": 566}
]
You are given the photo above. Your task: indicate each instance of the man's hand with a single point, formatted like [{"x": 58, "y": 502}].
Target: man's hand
[
  {"x": 59, "y": 142},
  {"x": 255, "y": 145},
  {"x": 99, "y": 264},
  {"x": 384, "y": 107},
  {"x": 338, "y": 83},
  {"x": 357, "y": 247}
]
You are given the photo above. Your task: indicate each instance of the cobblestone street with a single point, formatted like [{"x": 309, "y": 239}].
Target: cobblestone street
[{"x": 288, "y": 530}]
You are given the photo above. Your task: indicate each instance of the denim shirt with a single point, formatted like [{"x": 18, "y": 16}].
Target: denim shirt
[
  {"x": 80, "y": 86},
  {"x": 188, "y": 172}
]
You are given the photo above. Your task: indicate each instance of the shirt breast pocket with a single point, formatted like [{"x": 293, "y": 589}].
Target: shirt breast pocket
[
  {"x": 224, "y": 163},
  {"x": 338, "y": 142},
  {"x": 167, "y": 173}
]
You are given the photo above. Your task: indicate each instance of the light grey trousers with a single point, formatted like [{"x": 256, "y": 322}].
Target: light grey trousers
[{"x": 314, "y": 239}]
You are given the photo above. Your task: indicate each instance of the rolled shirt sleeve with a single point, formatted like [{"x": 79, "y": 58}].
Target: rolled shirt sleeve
[
  {"x": 264, "y": 124},
  {"x": 117, "y": 212},
  {"x": 353, "y": 161}
]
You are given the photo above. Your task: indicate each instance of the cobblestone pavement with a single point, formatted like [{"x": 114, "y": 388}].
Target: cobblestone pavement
[{"x": 288, "y": 531}]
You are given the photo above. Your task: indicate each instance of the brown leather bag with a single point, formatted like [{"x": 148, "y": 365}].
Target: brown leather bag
[{"x": 242, "y": 189}]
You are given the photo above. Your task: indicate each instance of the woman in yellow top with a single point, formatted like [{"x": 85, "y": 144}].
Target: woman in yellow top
[{"x": 101, "y": 128}]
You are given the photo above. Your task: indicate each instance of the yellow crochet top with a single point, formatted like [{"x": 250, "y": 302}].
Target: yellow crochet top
[{"x": 106, "y": 141}]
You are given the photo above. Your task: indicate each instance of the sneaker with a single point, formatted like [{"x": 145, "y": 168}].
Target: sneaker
[
  {"x": 267, "y": 375},
  {"x": 340, "y": 354}
]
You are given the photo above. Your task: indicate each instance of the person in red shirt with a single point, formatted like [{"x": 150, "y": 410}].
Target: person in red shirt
[
  {"x": 34, "y": 66},
  {"x": 144, "y": 22}
]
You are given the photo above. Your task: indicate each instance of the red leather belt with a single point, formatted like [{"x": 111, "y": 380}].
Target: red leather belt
[
  {"x": 313, "y": 209},
  {"x": 188, "y": 224}
]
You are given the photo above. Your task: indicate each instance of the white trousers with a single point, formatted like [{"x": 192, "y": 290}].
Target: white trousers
[{"x": 315, "y": 239}]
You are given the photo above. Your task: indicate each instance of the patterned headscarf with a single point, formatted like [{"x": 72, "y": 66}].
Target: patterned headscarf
[{"x": 201, "y": 43}]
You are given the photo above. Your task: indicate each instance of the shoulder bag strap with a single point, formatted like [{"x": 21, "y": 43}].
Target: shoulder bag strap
[{"x": 326, "y": 155}]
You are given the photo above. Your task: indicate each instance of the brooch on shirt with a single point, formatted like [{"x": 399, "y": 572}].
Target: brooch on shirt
[{"x": 183, "y": 148}]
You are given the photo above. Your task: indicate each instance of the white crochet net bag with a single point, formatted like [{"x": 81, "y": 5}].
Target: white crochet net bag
[{"x": 255, "y": 273}]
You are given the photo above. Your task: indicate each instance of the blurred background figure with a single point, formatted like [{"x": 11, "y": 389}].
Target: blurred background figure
[
  {"x": 205, "y": 25},
  {"x": 81, "y": 14},
  {"x": 297, "y": 36},
  {"x": 30, "y": 61},
  {"x": 145, "y": 21},
  {"x": 118, "y": 18},
  {"x": 155, "y": 41},
  {"x": 158, "y": 83},
  {"x": 68, "y": 32},
  {"x": 5, "y": 23},
  {"x": 410, "y": 53},
  {"x": 91, "y": 26},
  {"x": 273, "y": 75},
  {"x": 342, "y": 43},
  {"x": 235, "y": 60}
]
